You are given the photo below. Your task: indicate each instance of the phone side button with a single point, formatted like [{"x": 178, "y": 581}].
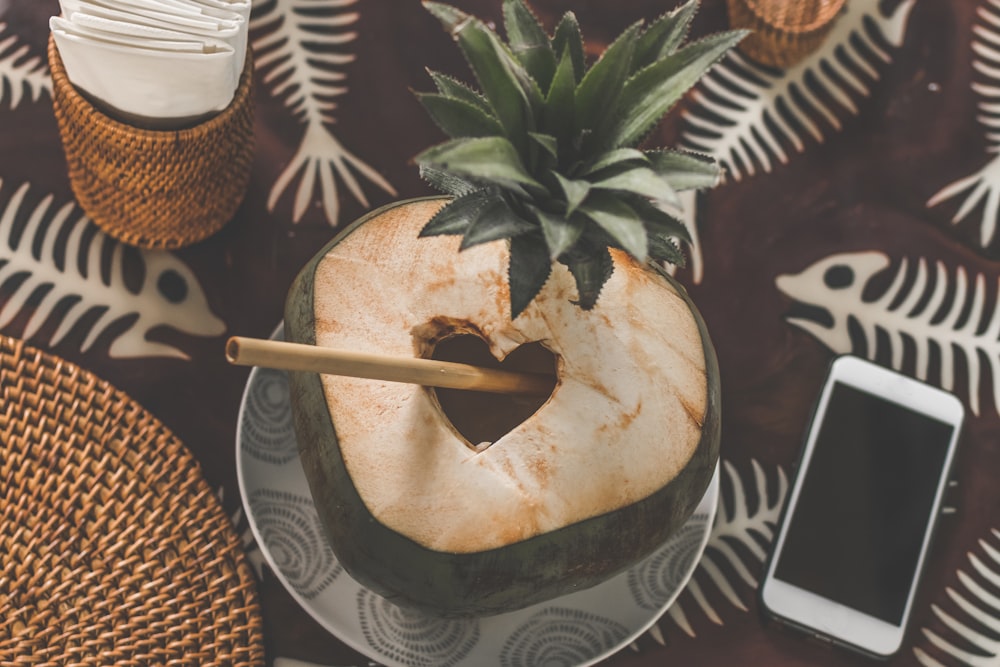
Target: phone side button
[
  {"x": 821, "y": 640},
  {"x": 948, "y": 504}
]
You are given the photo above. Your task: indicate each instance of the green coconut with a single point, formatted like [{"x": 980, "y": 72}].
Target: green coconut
[
  {"x": 554, "y": 232},
  {"x": 610, "y": 466}
]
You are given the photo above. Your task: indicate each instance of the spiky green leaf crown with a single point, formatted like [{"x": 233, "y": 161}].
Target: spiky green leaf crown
[{"x": 544, "y": 152}]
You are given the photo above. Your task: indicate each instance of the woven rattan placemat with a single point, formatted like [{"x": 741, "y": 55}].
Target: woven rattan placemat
[{"x": 113, "y": 548}]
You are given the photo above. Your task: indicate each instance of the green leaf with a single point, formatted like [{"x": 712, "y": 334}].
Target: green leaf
[
  {"x": 513, "y": 95},
  {"x": 652, "y": 91},
  {"x": 560, "y": 233},
  {"x": 575, "y": 191},
  {"x": 685, "y": 171},
  {"x": 481, "y": 158},
  {"x": 614, "y": 158},
  {"x": 621, "y": 222},
  {"x": 458, "y": 215},
  {"x": 664, "y": 249},
  {"x": 451, "y": 87},
  {"x": 568, "y": 40},
  {"x": 658, "y": 221},
  {"x": 595, "y": 237},
  {"x": 598, "y": 94},
  {"x": 495, "y": 221},
  {"x": 547, "y": 142},
  {"x": 450, "y": 17},
  {"x": 642, "y": 181},
  {"x": 458, "y": 118},
  {"x": 529, "y": 43},
  {"x": 447, "y": 183},
  {"x": 529, "y": 268},
  {"x": 560, "y": 103},
  {"x": 664, "y": 35},
  {"x": 590, "y": 273}
]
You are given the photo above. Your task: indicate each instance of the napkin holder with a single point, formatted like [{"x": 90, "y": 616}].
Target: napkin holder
[
  {"x": 783, "y": 31},
  {"x": 155, "y": 188}
]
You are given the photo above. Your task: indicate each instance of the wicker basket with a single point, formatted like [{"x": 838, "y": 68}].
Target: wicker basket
[
  {"x": 784, "y": 31},
  {"x": 114, "y": 551},
  {"x": 153, "y": 188}
]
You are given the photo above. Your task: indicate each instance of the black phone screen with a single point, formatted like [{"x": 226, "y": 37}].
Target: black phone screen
[{"x": 856, "y": 533}]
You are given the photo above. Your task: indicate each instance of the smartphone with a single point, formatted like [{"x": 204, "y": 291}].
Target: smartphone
[{"x": 859, "y": 517}]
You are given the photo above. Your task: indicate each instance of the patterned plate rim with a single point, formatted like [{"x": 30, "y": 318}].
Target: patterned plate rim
[{"x": 710, "y": 499}]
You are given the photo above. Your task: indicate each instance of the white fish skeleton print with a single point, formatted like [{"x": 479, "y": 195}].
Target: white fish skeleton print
[
  {"x": 300, "y": 47},
  {"x": 54, "y": 261},
  {"x": 22, "y": 76},
  {"x": 734, "y": 557},
  {"x": 738, "y": 523},
  {"x": 945, "y": 312},
  {"x": 748, "y": 117},
  {"x": 971, "y": 615},
  {"x": 985, "y": 183}
]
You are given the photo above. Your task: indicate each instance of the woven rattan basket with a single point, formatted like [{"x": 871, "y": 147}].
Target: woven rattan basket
[
  {"x": 784, "y": 31},
  {"x": 113, "y": 549},
  {"x": 154, "y": 188}
]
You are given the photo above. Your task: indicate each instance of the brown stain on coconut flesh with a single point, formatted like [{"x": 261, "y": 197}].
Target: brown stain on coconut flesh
[
  {"x": 478, "y": 419},
  {"x": 382, "y": 462},
  {"x": 426, "y": 336}
]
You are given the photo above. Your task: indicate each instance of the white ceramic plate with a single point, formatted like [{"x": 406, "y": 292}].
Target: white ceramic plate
[{"x": 577, "y": 629}]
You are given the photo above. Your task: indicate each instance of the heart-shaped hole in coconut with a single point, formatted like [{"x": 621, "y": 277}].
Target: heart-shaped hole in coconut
[{"x": 483, "y": 418}]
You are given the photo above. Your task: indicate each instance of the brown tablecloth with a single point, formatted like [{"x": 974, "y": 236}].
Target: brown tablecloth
[{"x": 852, "y": 159}]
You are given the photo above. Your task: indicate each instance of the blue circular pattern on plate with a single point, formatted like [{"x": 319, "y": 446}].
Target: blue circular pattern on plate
[
  {"x": 656, "y": 580},
  {"x": 290, "y": 528},
  {"x": 266, "y": 428},
  {"x": 575, "y": 630},
  {"x": 560, "y": 637},
  {"x": 413, "y": 638}
]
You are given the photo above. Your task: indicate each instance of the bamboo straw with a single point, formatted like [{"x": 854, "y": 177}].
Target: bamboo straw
[{"x": 429, "y": 372}]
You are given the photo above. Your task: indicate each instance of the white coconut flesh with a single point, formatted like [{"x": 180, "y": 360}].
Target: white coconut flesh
[{"x": 624, "y": 419}]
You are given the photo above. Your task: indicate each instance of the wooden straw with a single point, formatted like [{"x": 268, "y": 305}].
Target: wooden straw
[{"x": 429, "y": 372}]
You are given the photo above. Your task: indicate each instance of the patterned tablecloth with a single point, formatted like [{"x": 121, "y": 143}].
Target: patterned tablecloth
[{"x": 877, "y": 155}]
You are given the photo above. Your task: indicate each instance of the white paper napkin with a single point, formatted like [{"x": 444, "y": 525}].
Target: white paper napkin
[{"x": 156, "y": 63}]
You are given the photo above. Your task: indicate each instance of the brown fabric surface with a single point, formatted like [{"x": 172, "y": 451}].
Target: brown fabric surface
[{"x": 864, "y": 187}]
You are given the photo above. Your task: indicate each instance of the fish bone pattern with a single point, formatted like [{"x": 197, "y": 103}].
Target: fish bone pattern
[
  {"x": 983, "y": 186},
  {"x": 946, "y": 311},
  {"x": 22, "y": 76},
  {"x": 971, "y": 615},
  {"x": 746, "y": 114},
  {"x": 750, "y": 117},
  {"x": 51, "y": 261},
  {"x": 737, "y": 548},
  {"x": 301, "y": 48}
]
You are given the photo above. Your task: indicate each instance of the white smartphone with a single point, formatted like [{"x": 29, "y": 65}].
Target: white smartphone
[{"x": 859, "y": 517}]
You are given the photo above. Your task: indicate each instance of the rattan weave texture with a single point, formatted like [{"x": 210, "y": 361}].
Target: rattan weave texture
[
  {"x": 155, "y": 188},
  {"x": 783, "y": 31},
  {"x": 113, "y": 548}
]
